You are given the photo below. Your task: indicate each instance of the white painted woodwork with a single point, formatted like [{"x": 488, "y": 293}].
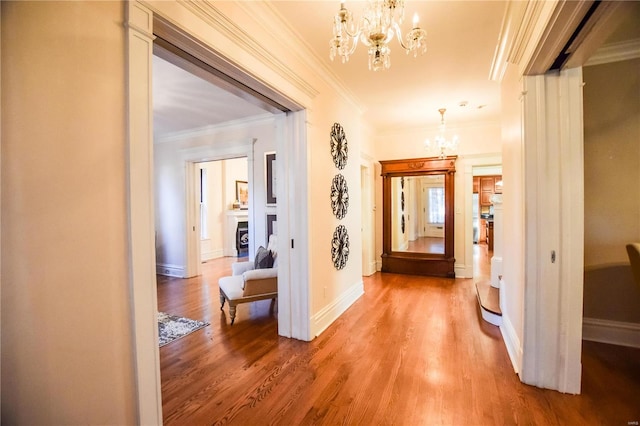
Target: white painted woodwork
[
  {"x": 554, "y": 231},
  {"x": 139, "y": 34},
  {"x": 496, "y": 259}
]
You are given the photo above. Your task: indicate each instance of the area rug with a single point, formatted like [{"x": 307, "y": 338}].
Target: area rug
[{"x": 173, "y": 327}]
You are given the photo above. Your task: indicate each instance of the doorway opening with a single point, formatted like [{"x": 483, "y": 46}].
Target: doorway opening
[{"x": 487, "y": 182}]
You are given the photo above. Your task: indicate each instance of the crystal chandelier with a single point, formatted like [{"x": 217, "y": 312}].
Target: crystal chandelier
[
  {"x": 381, "y": 20},
  {"x": 441, "y": 143}
]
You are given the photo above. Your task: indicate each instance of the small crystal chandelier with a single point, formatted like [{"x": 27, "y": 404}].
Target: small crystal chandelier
[
  {"x": 441, "y": 143},
  {"x": 381, "y": 20}
]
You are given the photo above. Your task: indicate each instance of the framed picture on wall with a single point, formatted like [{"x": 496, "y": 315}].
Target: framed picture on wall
[
  {"x": 242, "y": 194},
  {"x": 272, "y": 225},
  {"x": 270, "y": 167}
]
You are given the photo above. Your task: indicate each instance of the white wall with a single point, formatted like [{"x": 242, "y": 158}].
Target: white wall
[
  {"x": 67, "y": 353},
  {"x": 612, "y": 190},
  {"x": 228, "y": 141}
]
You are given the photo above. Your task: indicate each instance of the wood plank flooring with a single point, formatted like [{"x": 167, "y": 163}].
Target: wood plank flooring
[{"x": 411, "y": 351}]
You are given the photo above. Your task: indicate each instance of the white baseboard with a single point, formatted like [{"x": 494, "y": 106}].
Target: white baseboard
[
  {"x": 230, "y": 252},
  {"x": 463, "y": 271},
  {"x": 511, "y": 341},
  {"x": 370, "y": 269},
  {"x": 327, "y": 315},
  {"x": 612, "y": 332},
  {"x": 213, "y": 254},
  {"x": 170, "y": 270}
]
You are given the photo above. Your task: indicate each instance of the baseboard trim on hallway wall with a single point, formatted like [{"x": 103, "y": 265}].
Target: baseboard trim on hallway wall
[
  {"x": 463, "y": 271},
  {"x": 331, "y": 312},
  {"x": 211, "y": 254},
  {"x": 511, "y": 341},
  {"x": 612, "y": 332},
  {"x": 169, "y": 270}
]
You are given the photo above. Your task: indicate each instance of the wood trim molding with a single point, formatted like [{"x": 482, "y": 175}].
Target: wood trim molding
[
  {"x": 431, "y": 264},
  {"x": 142, "y": 273},
  {"x": 614, "y": 52},
  {"x": 612, "y": 332},
  {"x": 206, "y": 11},
  {"x": 554, "y": 258},
  {"x": 535, "y": 33}
]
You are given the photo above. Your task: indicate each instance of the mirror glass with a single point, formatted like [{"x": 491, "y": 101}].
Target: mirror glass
[{"x": 418, "y": 214}]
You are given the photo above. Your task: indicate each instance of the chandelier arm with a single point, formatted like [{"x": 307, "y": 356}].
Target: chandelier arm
[
  {"x": 398, "y": 31},
  {"x": 354, "y": 45},
  {"x": 354, "y": 35}
]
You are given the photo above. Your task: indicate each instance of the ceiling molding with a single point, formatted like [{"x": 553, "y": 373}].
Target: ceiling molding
[
  {"x": 215, "y": 129},
  {"x": 614, "y": 52},
  {"x": 505, "y": 40},
  {"x": 599, "y": 27},
  {"x": 207, "y": 11},
  {"x": 564, "y": 18},
  {"x": 278, "y": 24}
]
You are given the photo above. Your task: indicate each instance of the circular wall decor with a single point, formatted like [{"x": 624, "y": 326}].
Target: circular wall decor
[
  {"x": 340, "y": 247},
  {"x": 402, "y": 223},
  {"x": 339, "y": 196},
  {"x": 339, "y": 149},
  {"x": 402, "y": 200}
]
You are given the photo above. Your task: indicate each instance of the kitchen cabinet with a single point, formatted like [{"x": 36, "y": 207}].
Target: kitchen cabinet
[
  {"x": 482, "y": 238},
  {"x": 476, "y": 185},
  {"x": 487, "y": 184},
  {"x": 488, "y": 187},
  {"x": 485, "y": 198}
]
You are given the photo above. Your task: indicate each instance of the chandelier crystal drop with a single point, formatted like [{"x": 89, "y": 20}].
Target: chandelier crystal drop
[
  {"x": 379, "y": 23},
  {"x": 441, "y": 143}
]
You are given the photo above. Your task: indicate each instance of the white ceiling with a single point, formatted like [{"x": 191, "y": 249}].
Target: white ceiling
[
  {"x": 184, "y": 102},
  {"x": 461, "y": 40}
]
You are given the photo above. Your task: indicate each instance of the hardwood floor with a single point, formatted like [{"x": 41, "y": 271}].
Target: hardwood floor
[{"x": 411, "y": 351}]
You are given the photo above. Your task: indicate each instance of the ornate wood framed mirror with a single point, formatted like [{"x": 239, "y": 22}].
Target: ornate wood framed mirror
[{"x": 417, "y": 216}]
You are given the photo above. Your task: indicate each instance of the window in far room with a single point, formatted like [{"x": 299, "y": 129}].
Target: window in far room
[{"x": 436, "y": 205}]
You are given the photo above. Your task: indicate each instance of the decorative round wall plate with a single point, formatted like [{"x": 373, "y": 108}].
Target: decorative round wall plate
[
  {"x": 402, "y": 223},
  {"x": 339, "y": 149},
  {"x": 340, "y": 247},
  {"x": 339, "y": 196},
  {"x": 402, "y": 200}
]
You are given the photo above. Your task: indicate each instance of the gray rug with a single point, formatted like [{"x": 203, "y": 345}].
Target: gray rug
[{"x": 172, "y": 327}]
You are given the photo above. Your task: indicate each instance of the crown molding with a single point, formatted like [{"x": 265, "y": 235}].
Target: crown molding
[
  {"x": 615, "y": 52},
  {"x": 208, "y": 12},
  {"x": 302, "y": 50},
  {"x": 215, "y": 128}
]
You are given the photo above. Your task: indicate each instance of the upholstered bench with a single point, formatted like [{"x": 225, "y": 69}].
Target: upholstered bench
[
  {"x": 253, "y": 285},
  {"x": 248, "y": 284}
]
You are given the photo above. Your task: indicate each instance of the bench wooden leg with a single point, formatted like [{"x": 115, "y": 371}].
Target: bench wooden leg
[
  {"x": 222, "y": 299},
  {"x": 232, "y": 312}
]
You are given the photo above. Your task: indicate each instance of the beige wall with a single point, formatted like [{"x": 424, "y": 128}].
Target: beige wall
[
  {"x": 66, "y": 333},
  {"x": 612, "y": 188}
]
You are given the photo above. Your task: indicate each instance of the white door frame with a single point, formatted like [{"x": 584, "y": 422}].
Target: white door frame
[
  {"x": 236, "y": 149},
  {"x": 554, "y": 234},
  {"x": 293, "y": 314},
  {"x": 367, "y": 214}
]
